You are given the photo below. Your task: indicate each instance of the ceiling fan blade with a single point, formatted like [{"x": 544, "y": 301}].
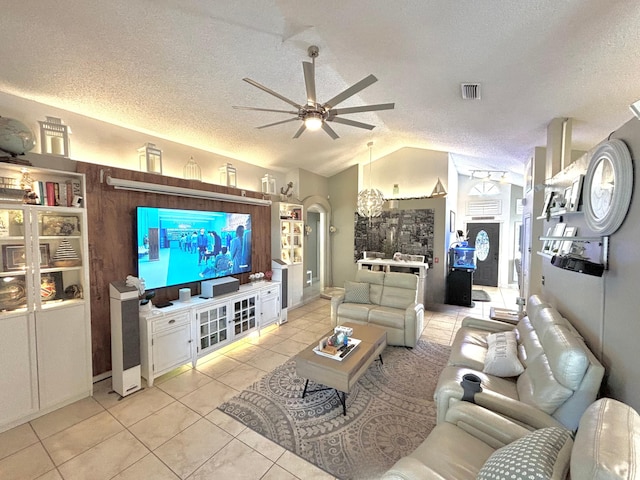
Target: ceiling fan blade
[
  {"x": 266, "y": 110},
  {"x": 302, "y": 128},
  {"x": 351, "y": 123},
  {"x": 278, "y": 123},
  {"x": 329, "y": 130},
  {"x": 352, "y": 90},
  {"x": 310, "y": 82},
  {"x": 271, "y": 92},
  {"x": 364, "y": 108}
]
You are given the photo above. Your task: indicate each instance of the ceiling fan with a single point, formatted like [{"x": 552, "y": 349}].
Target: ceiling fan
[{"x": 315, "y": 115}]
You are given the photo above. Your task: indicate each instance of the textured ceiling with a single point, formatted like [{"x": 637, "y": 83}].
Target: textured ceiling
[{"x": 174, "y": 68}]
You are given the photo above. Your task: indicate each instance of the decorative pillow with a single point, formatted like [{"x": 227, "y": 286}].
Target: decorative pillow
[
  {"x": 536, "y": 455},
  {"x": 502, "y": 356},
  {"x": 355, "y": 292}
]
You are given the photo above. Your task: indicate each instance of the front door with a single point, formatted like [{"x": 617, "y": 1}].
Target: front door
[{"x": 485, "y": 237}]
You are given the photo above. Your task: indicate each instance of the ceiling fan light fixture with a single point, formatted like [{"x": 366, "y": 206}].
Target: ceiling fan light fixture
[{"x": 313, "y": 121}]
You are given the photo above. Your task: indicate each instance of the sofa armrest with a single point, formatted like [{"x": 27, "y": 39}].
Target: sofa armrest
[
  {"x": 520, "y": 412},
  {"x": 336, "y": 300},
  {"x": 486, "y": 324},
  {"x": 409, "y": 468},
  {"x": 490, "y": 427},
  {"x": 413, "y": 324}
]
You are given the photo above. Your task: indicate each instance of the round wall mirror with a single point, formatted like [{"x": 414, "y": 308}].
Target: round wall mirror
[{"x": 608, "y": 185}]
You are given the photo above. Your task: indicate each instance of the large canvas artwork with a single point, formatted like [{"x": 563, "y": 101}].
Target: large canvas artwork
[{"x": 405, "y": 231}]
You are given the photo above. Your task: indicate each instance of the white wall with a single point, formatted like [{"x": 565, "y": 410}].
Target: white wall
[
  {"x": 415, "y": 170},
  {"x": 98, "y": 142},
  {"x": 605, "y": 309}
]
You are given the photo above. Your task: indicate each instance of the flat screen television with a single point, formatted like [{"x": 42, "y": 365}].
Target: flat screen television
[{"x": 181, "y": 246}]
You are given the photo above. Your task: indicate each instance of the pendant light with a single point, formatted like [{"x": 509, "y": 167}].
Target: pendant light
[{"x": 370, "y": 200}]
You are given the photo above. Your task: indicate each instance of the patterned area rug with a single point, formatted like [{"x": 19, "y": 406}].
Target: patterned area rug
[{"x": 390, "y": 412}]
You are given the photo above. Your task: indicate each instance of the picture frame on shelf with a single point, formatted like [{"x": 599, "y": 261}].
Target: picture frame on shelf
[
  {"x": 558, "y": 231},
  {"x": 576, "y": 194},
  {"x": 51, "y": 286},
  {"x": 14, "y": 257},
  {"x": 60, "y": 225},
  {"x": 565, "y": 246},
  {"x": 546, "y": 246},
  {"x": 547, "y": 203},
  {"x": 567, "y": 196}
]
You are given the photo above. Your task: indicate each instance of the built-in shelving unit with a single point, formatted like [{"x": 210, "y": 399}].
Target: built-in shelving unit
[{"x": 45, "y": 321}]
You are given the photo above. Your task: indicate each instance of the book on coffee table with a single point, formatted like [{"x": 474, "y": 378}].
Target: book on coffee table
[{"x": 353, "y": 343}]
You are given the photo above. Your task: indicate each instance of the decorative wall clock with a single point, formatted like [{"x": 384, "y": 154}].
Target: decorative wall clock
[{"x": 608, "y": 185}]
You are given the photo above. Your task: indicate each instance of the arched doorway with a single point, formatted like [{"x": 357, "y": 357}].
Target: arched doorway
[{"x": 316, "y": 251}]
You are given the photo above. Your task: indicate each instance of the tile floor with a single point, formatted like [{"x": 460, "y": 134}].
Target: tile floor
[{"x": 173, "y": 429}]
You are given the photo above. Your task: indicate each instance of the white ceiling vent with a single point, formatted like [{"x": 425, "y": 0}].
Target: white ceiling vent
[{"x": 470, "y": 91}]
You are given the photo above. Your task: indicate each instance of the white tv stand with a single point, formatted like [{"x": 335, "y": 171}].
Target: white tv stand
[{"x": 186, "y": 331}]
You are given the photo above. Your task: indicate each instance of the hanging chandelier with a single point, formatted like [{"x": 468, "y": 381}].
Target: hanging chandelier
[{"x": 370, "y": 200}]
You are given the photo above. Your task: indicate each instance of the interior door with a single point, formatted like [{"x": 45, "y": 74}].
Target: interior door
[{"x": 485, "y": 237}]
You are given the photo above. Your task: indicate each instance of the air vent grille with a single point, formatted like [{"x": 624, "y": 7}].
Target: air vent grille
[{"x": 470, "y": 91}]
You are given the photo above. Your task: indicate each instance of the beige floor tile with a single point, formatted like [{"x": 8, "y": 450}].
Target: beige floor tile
[
  {"x": 103, "y": 393},
  {"x": 51, "y": 475},
  {"x": 148, "y": 468},
  {"x": 225, "y": 422},
  {"x": 29, "y": 463},
  {"x": 276, "y": 472},
  {"x": 135, "y": 407},
  {"x": 244, "y": 352},
  {"x": 218, "y": 366},
  {"x": 306, "y": 337},
  {"x": 236, "y": 460},
  {"x": 188, "y": 450},
  {"x": 16, "y": 439},
  {"x": 320, "y": 327},
  {"x": 105, "y": 459},
  {"x": 184, "y": 383},
  {"x": 261, "y": 444},
  {"x": 290, "y": 347},
  {"x": 268, "y": 360},
  {"x": 65, "y": 417},
  {"x": 164, "y": 424},
  {"x": 267, "y": 341},
  {"x": 207, "y": 398},
  {"x": 172, "y": 374},
  {"x": 301, "y": 468},
  {"x": 81, "y": 437},
  {"x": 241, "y": 377}
]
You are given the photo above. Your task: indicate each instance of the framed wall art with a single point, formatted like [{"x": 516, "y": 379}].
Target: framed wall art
[
  {"x": 576, "y": 194},
  {"x": 57, "y": 225},
  {"x": 14, "y": 257}
]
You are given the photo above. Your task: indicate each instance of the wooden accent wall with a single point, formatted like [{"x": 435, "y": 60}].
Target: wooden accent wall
[{"x": 112, "y": 239}]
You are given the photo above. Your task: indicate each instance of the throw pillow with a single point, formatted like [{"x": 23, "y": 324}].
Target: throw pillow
[
  {"x": 356, "y": 292},
  {"x": 536, "y": 455},
  {"x": 502, "y": 356}
]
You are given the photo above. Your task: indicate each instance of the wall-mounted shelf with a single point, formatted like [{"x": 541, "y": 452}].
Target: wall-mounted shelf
[
  {"x": 559, "y": 213},
  {"x": 602, "y": 241}
]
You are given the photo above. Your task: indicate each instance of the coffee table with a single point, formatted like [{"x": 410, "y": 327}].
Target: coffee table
[{"x": 341, "y": 376}]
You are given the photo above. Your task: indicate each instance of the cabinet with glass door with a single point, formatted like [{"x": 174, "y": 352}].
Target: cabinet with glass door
[{"x": 44, "y": 305}]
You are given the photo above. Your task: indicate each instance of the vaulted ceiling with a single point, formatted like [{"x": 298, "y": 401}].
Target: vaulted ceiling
[{"x": 174, "y": 69}]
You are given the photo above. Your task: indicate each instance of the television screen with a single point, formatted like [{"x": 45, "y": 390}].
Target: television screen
[{"x": 181, "y": 246}]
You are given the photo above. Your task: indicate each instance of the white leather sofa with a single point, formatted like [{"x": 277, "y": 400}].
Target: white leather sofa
[
  {"x": 384, "y": 299},
  {"x": 476, "y": 443},
  {"x": 561, "y": 376}
]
